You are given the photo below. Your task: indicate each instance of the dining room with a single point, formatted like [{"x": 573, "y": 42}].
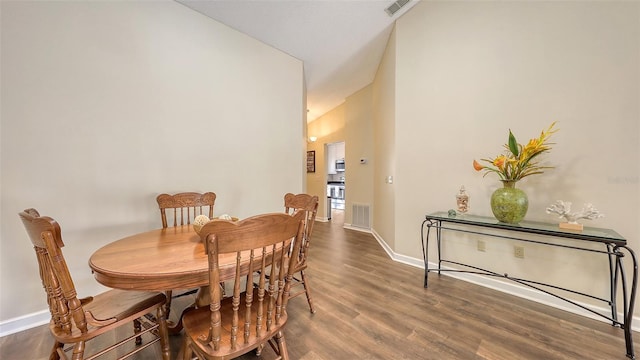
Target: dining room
[{"x": 105, "y": 105}]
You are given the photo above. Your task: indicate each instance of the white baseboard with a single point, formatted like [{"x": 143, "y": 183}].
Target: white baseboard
[
  {"x": 24, "y": 322},
  {"x": 356, "y": 228},
  {"x": 511, "y": 288}
]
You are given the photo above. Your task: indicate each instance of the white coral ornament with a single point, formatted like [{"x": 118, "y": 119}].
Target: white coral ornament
[{"x": 563, "y": 209}]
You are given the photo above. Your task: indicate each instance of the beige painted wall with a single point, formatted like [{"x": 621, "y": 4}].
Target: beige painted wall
[
  {"x": 384, "y": 104},
  {"x": 358, "y": 145},
  {"x": 351, "y": 122},
  {"x": 467, "y": 72},
  {"x": 107, "y": 104}
]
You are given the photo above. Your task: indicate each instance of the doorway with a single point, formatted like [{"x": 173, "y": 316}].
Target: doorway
[{"x": 336, "y": 181}]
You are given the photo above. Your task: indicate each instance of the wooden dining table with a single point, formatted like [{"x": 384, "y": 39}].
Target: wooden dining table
[{"x": 171, "y": 258}]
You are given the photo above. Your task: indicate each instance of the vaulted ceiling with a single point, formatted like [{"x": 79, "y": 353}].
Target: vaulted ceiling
[{"x": 340, "y": 42}]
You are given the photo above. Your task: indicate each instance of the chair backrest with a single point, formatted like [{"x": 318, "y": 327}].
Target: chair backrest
[
  {"x": 261, "y": 277},
  {"x": 308, "y": 204},
  {"x": 66, "y": 310},
  {"x": 186, "y": 206}
]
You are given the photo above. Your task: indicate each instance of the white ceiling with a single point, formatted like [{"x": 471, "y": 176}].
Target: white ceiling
[{"x": 340, "y": 42}]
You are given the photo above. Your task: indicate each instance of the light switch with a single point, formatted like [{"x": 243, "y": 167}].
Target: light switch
[{"x": 389, "y": 179}]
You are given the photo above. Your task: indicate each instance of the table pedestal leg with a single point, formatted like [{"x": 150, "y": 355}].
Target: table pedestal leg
[{"x": 202, "y": 299}]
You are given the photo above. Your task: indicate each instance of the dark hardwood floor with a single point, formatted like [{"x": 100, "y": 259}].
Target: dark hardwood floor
[{"x": 369, "y": 307}]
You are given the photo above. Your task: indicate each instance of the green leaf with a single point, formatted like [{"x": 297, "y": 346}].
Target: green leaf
[{"x": 513, "y": 144}]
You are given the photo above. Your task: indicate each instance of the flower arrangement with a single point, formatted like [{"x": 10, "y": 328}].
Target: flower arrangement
[{"x": 519, "y": 161}]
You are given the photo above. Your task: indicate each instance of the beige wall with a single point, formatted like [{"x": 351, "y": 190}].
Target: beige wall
[
  {"x": 384, "y": 103},
  {"x": 467, "y": 72},
  {"x": 352, "y": 123},
  {"x": 107, "y": 104},
  {"x": 358, "y": 145}
]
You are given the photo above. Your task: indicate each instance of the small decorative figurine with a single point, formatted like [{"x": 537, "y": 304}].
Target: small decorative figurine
[
  {"x": 563, "y": 208},
  {"x": 462, "y": 199}
]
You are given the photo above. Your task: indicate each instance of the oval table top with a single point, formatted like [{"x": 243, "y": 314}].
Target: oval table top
[{"x": 161, "y": 259}]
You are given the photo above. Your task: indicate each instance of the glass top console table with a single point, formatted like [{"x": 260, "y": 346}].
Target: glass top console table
[{"x": 614, "y": 247}]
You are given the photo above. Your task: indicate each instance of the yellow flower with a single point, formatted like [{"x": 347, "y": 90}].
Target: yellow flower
[{"x": 519, "y": 161}]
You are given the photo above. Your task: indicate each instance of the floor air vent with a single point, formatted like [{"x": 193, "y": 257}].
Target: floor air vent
[
  {"x": 396, "y": 6},
  {"x": 360, "y": 216}
]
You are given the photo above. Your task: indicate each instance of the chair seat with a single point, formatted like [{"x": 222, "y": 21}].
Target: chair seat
[
  {"x": 196, "y": 325},
  {"x": 121, "y": 304},
  {"x": 114, "y": 306}
]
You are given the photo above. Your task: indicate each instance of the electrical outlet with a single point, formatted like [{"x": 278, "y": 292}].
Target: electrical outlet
[
  {"x": 482, "y": 246},
  {"x": 518, "y": 251}
]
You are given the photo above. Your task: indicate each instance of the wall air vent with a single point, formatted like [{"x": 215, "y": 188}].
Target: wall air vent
[
  {"x": 361, "y": 215},
  {"x": 396, "y": 6}
]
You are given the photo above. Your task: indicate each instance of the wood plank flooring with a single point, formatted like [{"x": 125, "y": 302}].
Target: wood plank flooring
[{"x": 369, "y": 307}]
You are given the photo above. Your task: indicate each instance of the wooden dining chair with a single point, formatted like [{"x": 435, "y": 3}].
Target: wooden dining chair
[
  {"x": 309, "y": 205},
  {"x": 76, "y": 321},
  {"x": 183, "y": 208},
  {"x": 256, "y": 312}
]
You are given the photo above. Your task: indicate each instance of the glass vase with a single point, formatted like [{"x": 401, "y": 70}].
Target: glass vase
[{"x": 509, "y": 204}]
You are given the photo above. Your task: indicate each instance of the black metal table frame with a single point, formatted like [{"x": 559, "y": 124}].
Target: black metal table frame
[{"x": 613, "y": 250}]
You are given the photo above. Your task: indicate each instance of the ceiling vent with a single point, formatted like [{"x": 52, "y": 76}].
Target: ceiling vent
[{"x": 396, "y": 6}]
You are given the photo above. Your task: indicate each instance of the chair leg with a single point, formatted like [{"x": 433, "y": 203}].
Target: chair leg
[
  {"x": 282, "y": 346},
  {"x": 137, "y": 328},
  {"x": 307, "y": 291},
  {"x": 187, "y": 352},
  {"x": 54, "y": 351},
  {"x": 167, "y": 305},
  {"x": 78, "y": 351},
  {"x": 163, "y": 333}
]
